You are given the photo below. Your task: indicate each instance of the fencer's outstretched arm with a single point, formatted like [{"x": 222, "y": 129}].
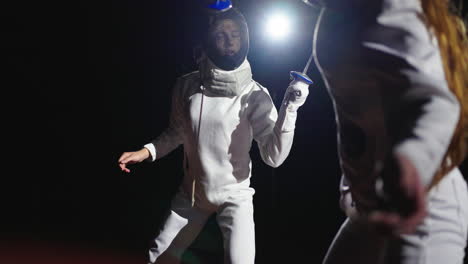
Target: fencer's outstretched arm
[
  {"x": 170, "y": 138},
  {"x": 273, "y": 131}
]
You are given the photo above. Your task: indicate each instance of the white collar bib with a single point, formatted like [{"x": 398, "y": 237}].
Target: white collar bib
[{"x": 226, "y": 83}]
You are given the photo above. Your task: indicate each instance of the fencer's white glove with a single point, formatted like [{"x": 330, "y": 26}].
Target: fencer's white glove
[{"x": 296, "y": 94}]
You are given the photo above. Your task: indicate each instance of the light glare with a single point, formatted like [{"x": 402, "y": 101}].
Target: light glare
[{"x": 278, "y": 26}]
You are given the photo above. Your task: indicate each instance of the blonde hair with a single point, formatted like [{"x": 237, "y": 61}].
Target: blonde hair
[{"x": 451, "y": 33}]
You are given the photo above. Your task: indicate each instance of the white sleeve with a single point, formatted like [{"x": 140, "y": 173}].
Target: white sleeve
[
  {"x": 425, "y": 114},
  {"x": 273, "y": 132},
  {"x": 152, "y": 150},
  {"x": 170, "y": 138}
]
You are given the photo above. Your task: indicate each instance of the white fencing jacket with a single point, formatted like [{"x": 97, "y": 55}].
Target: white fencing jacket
[
  {"x": 384, "y": 73},
  {"x": 215, "y": 115}
]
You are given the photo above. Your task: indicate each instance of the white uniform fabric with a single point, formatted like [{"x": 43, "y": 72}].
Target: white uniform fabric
[
  {"x": 384, "y": 73},
  {"x": 234, "y": 216},
  {"x": 216, "y": 115},
  {"x": 441, "y": 238}
]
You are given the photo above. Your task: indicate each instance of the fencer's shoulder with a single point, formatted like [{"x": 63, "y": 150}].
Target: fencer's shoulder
[
  {"x": 189, "y": 77},
  {"x": 259, "y": 92},
  {"x": 260, "y": 88},
  {"x": 255, "y": 86},
  {"x": 188, "y": 81}
]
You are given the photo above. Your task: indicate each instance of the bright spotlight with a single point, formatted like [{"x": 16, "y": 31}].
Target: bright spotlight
[{"x": 278, "y": 26}]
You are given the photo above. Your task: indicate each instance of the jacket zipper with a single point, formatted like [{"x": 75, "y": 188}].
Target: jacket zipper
[{"x": 198, "y": 141}]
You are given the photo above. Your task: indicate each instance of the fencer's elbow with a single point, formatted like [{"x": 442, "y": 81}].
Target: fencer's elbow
[
  {"x": 274, "y": 157},
  {"x": 275, "y": 163}
]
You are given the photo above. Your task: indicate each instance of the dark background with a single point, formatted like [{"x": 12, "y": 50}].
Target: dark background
[{"x": 88, "y": 80}]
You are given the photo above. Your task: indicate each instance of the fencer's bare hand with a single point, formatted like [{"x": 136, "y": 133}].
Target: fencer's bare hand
[
  {"x": 407, "y": 198},
  {"x": 128, "y": 158}
]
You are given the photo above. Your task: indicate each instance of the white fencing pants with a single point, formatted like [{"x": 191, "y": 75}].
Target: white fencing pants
[
  {"x": 234, "y": 217},
  {"x": 440, "y": 239}
]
